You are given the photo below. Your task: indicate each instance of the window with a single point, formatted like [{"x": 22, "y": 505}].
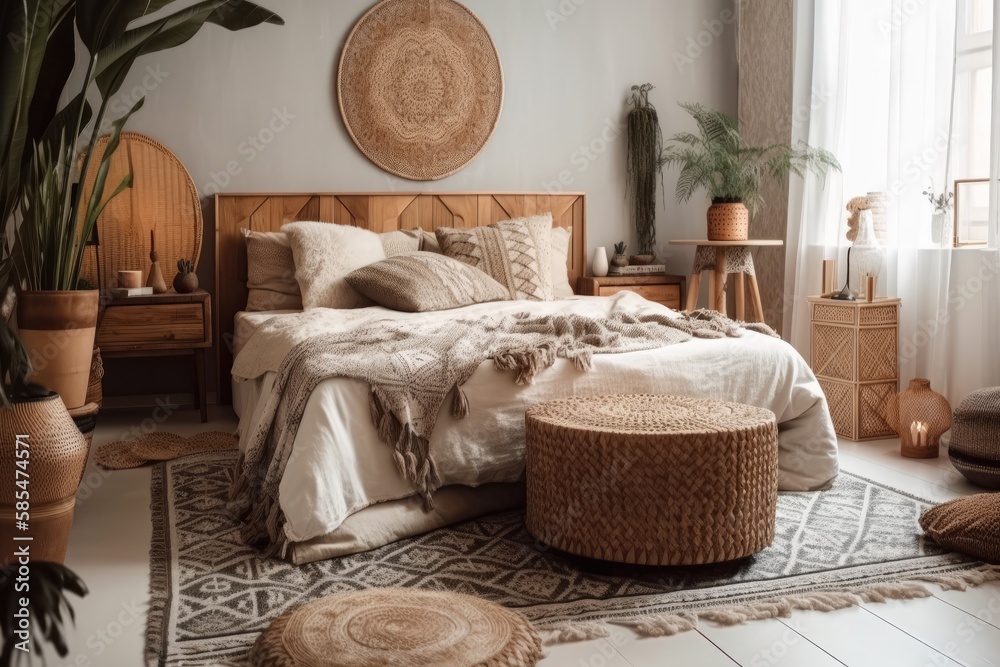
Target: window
[{"x": 973, "y": 109}]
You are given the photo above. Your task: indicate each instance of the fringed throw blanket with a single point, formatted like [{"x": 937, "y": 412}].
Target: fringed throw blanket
[{"x": 412, "y": 369}]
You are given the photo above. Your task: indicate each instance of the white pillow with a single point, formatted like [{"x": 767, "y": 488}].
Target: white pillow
[
  {"x": 561, "y": 237},
  {"x": 324, "y": 253}
]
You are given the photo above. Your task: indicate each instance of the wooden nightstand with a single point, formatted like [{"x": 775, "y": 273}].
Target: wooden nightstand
[
  {"x": 665, "y": 289},
  {"x": 161, "y": 325}
]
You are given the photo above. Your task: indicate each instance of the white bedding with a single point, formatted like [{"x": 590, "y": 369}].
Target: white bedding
[{"x": 338, "y": 466}]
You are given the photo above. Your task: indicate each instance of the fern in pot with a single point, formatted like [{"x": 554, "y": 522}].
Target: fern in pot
[{"x": 732, "y": 173}]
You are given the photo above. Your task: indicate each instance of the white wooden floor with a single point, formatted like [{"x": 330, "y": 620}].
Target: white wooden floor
[{"x": 110, "y": 544}]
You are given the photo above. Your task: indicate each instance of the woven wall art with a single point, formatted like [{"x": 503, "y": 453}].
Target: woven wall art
[{"x": 420, "y": 87}]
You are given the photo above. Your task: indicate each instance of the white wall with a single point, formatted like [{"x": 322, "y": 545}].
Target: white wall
[{"x": 568, "y": 65}]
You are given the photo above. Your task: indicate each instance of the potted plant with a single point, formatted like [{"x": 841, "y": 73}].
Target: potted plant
[
  {"x": 46, "y": 217},
  {"x": 717, "y": 160},
  {"x": 643, "y": 166},
  {"x": 620, "y": 259},
  {"x": 46, "y": 603}
]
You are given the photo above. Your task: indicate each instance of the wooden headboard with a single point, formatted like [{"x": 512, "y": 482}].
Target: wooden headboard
[{"x": 379, "y": 212}]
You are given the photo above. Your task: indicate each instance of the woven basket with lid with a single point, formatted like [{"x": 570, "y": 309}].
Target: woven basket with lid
[{"x": 652, "y": 480}]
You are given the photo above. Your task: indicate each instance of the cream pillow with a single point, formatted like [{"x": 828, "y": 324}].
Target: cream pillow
[
  {"x": 425, "y": 281},
  {"x": 402, "y": 242},
  {"x": 324, "y": 254},
  {"x": 516, "y": 253},
  {"x": 561, "y": 237},
  {"x": 270, "y": 272}
]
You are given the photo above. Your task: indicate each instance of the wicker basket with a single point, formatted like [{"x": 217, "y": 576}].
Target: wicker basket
[{"x": 652, "y": 480}]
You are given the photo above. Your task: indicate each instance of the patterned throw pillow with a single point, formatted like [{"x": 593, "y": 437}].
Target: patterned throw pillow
[
  {"x": 969, "y": 525},
  {"x": 424, "y": 281},
  {"x": 270, "y": 273},
  {"x": 516, "y": 253}
]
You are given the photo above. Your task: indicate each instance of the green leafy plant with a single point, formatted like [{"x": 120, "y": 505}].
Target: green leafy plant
[
  {"x": 643, "y": 165},
  {"x": 717, "y": 160},
  {"x": 184, "y": 266},
  {"x": 46, "y": 604},
  {"x": 45, "y": 219}
]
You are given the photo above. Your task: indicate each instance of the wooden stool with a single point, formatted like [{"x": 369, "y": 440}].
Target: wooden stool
[{"x": 723, "y": 258}]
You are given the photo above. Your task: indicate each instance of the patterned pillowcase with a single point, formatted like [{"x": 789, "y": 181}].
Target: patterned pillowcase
[
  {"x": 424, "y": 281},
  {"x": 516, "y": 253},
  {"x": 969, "y": 525},
  {"x": 270, "y": 272}
]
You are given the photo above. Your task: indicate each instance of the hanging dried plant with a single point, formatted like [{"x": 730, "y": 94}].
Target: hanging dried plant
[{"x": 645, "y": 144}]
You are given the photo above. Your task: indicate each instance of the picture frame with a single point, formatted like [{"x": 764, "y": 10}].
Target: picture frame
[{"x": 972, "y": 204}]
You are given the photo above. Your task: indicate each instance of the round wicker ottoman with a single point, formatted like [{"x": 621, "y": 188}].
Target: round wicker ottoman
[
  {"x": 652, "y": 480},
  {"x": 974, "y": 449},
  {"x": 396, "y": 626}
]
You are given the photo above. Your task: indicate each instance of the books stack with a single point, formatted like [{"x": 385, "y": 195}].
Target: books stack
[
  {"x": 637, "y": 270},
  {"x": 118, "y": 292}
]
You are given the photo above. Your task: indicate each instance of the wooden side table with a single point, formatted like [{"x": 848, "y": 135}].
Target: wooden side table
[
  {"x": 661, "y": 288},
  {"x": 161, "y": 325},
  {"x": 855, "y": 356},
  {"x": 723, "y": 258}
]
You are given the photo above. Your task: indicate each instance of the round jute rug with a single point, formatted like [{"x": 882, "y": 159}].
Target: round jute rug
[
  {"x": 398, "y": 627},
  {"x": 160, "y": 446},
  {"x": 420, "y": 87}
]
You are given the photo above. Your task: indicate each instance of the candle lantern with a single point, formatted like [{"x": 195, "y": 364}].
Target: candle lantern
[{"x": 920, "y": 416}]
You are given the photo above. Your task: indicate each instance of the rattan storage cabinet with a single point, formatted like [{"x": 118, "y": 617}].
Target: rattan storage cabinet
[
  {"x": 652, "y": 480},
  {"x": 855, "y": 355}
]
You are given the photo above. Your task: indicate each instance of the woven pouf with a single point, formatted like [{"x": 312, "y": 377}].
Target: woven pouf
[
  {"x": 975, "y": 438},
  {"x": 398, "y": 627},
  {"x": 652, "y": 480}
]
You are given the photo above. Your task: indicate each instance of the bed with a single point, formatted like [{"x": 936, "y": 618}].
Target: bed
[{"x": 340, "y": 492}]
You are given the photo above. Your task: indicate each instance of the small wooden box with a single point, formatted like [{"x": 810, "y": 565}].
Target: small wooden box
[
  {"x": 855, "y": 356},
  {"x": 665, "y": 289}
]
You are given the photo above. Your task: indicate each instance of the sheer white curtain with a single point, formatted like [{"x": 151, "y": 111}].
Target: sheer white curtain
[{"x": 874, "y": 83}]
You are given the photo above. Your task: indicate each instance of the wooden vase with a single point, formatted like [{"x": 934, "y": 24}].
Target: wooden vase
[
  {"x": 728, "y": 222},
  {"x": 58, "y": 455},
  {"x": 57, "y": 330}
]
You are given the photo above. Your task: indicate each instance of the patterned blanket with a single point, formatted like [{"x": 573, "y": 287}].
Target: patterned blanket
[{"x": 412, "y": 369}]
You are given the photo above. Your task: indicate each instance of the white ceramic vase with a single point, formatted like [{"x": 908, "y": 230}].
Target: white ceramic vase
[{"x": 600, "y": 265}]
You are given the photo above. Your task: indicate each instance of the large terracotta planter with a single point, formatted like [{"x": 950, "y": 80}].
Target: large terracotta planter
[
  {"x": 57, "y": 329},
  {"x": 56, "y": 457},
  {"x": 728, "y": 222}
]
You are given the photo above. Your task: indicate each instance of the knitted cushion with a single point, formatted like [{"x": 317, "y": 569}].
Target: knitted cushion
[
  {"x": 515, "y": 253},
  {"x": 398, "y": 627},
  {"x": 968, "y": 525},
  {"x": 975, "y": 438},
  {"x": 425, "y": 281},
  {"x": 270, "y": 273}
]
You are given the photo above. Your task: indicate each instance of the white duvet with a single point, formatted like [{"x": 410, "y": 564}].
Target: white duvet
[{"x": 338, "y": 466}]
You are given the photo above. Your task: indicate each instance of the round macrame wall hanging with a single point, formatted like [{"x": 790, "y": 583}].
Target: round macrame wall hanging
[{"x": 420, "y": 87}]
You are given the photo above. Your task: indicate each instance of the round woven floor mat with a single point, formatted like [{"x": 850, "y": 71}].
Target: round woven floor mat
[
  {"x": 398, "y": 627},
  {"x": 152, "y": 447},
  {"x": 420, "y": 87}
]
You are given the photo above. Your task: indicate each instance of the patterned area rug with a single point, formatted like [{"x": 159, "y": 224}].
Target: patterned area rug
[{"x": 212, "y": 595}]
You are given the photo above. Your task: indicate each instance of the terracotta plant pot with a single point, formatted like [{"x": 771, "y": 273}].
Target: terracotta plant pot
[
  {"x": 728, "y": 222},
  {"x": 57, "y": 329},
  {"x": 57, "y": 457},
  {"x": 185, "y": 283}
]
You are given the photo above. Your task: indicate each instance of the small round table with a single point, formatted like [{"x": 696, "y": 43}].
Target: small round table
[{"x": 723, "y": 258}]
